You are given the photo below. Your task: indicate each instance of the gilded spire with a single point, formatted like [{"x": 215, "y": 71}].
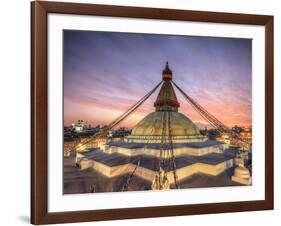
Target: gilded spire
[
  {"x": 167, "y": 99},
  {"x": 167, "y": 72}
]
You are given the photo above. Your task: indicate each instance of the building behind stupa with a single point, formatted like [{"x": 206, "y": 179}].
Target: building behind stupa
[{"x": 136, "y": 161}]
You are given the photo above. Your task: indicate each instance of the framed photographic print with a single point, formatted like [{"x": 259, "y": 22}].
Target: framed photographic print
[{"x": 146, "y": 112}]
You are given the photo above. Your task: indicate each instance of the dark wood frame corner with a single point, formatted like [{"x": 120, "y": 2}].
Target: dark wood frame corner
[{"x": 39, "y": 109}]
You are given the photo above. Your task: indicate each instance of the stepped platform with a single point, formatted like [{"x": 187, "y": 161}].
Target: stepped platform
[
  {"x": 83, "y": 181},
  {"x": 116, "y": 164},
  {"x": 153, "y": 149}
]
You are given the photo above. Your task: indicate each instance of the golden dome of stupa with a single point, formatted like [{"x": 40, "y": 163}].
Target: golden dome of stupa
[
  {"x": 150, "y": 128},
  {"x": 152, "y": 125}
]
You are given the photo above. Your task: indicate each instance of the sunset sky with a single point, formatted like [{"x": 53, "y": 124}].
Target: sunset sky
[{"x": 105, "y": 73}]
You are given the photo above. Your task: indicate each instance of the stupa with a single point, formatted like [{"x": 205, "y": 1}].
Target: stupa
[
  {"x": 142, "y": 152},
  {"x": 147, "y": 135}
]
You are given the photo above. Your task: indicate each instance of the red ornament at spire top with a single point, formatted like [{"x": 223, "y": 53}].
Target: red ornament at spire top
[{"x": 167, "y": 72}]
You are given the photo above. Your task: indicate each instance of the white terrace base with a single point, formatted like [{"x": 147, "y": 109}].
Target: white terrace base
[
  {"x": 147, "y": 174},
  {"x": 218, "y": 148}
]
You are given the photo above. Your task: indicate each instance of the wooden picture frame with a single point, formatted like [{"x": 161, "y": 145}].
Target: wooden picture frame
[{"x": 39, "y": 112}]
